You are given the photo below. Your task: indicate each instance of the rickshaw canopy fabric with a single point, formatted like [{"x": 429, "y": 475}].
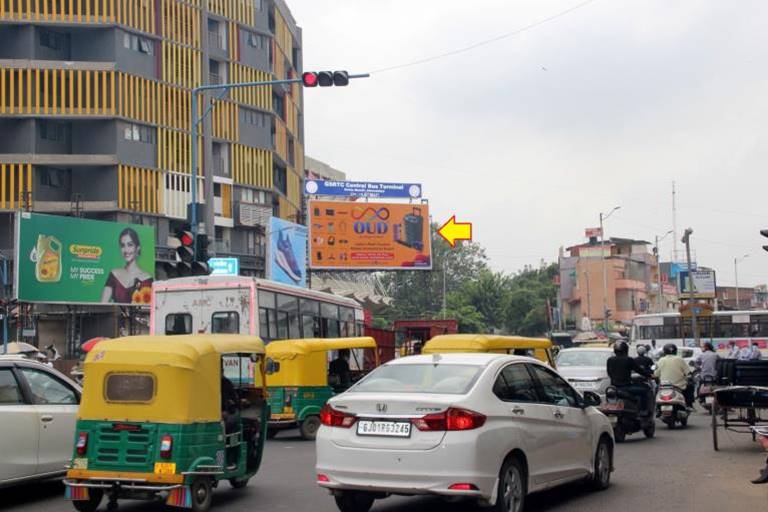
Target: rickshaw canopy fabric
[
  {"x": 185, "y": 373},
  {"x": 446, "y": 343}
]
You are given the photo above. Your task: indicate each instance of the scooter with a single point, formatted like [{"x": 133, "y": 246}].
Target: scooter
[
  {"x": 623, "y": 411},
  {"x": 670, "y": 405},
  {"x": 706, "y": 393}
]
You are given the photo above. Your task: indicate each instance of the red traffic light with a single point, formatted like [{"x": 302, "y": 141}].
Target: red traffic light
[
  {"x": 185, "y": 237},
  {"x": 309, "y": 79}
]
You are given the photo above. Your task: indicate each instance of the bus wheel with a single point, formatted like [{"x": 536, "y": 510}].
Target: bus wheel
[
  {"x": 309, "y": 427},
  {"x": 201, "y": 494}
]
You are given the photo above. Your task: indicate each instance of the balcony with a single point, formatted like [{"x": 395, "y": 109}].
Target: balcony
[
  {"x": 630, "y": 284},
  {"x": 216, "y": 40},
  {"x": 214, "y": 79}
]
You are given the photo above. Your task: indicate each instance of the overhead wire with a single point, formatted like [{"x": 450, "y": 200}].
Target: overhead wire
[{"x": 485, "y": 42}]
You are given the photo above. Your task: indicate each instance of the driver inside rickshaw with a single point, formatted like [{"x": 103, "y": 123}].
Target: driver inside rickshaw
[
  {"x": 339, "y": 372},
  {"x": 229, "y": 407}
]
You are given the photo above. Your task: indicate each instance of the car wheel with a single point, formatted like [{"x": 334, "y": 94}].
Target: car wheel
[
  {"x": 511, "y": 492},
  {"x": 650, "y": 430},
  {"x": 92, "y": 503},
  {"x": 238, "y": 483},
  {"x": 201, "y": 491},
  {"x": 601, "y": 478},
  {"x": 309, "y": 427},
  {"x": 354, "y": 501}
]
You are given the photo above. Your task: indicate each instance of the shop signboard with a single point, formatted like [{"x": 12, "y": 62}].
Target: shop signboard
[
  {"x": 369, "y": 236},
  {"x": 80, "y": 261}
]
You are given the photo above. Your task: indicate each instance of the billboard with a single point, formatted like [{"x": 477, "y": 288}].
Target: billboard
[
  {"x": 73, "y": 260},
  {"x": 593, "y": 232},
  {"x": 287, "y": 257},
  {"x": 362, "y": 189},
  {"x": 377, "y": 236},
  {"x": 703, "y": 282}
]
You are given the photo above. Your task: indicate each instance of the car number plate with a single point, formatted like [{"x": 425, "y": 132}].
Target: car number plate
[
  {"x": 709, "y": 399},
  {"x": 582, "y": 385},
  {"x": 384, "y": 428},
  {"x": 666, "y": 407},
  {"x": 165, "y": 468}
]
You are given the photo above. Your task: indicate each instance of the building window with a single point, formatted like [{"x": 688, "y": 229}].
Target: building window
[
  {"x": 139, "y": 133},
  {"x": 52, "y": 131},
  {"x": 280, "y": 179},
  {"x": 138, "y": 44},
  {"x": 254, "y": 118},
  {"x": 52, "y": 178},
  {"x": 278, "y": 105},
  {"x": 258, "y": 41},
  {"x": 259, "y": 5},
  {"x": 291, "y": 151},
  {"x": 52, "y": 40}
]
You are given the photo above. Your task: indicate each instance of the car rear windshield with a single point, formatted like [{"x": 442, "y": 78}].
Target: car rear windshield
[
  {"x": 583, "y": 358},
  {"x": 452, "y": 379},
  {"x": 130, "y": 387}
]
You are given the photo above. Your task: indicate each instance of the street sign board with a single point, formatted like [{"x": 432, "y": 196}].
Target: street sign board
[
  {"x": 382, "y": 236},
  {"x": 703, "y": 282},
  {"x": 224, "y": 266},
  {"x": 72, "y": 260},
  {"x": 362, "y": 189}
]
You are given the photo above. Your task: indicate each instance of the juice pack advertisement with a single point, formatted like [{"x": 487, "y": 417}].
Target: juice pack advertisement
[
  {"x": 72, "y": 260},
  {"x": 351, "y": 235}
]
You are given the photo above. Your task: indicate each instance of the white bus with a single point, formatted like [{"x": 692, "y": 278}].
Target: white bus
[
  {"x": 722, "y": 327},
  {"x": 248, "y": 305}
]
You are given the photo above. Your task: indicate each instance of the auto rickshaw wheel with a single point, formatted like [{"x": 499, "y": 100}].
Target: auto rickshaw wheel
[
  {"x": 309, "y": 427},
  {"x": 92, "y": 503},
  {"x": 238, "y": 483},
  {"x": 271, "y": 433},
  {"x": 201, "y": 490}
]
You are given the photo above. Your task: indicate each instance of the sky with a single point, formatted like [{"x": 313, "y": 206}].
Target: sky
[{"x": 532, "y": 136}]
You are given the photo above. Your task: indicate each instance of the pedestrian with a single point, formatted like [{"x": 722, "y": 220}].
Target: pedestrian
[
  {"x": 733, "y": 350},
  {"x": 707, "y": 361},
  {"x": 762, "y": 434},
  {"x": 754, "y": 353}
]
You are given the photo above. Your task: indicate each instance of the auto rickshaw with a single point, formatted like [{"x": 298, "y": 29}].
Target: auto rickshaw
[
  {"x": 299, "y": 383},
  {"x": 539, "y": 348},
  {"x": 168, "y": 417}
]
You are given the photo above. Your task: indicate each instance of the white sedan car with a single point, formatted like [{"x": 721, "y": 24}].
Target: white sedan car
[
  {"x": 487, "y": 427},
  {"x": 38, "y": 409}
]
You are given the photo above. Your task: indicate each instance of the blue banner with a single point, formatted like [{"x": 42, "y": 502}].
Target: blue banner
[
  {"x": 287, "y": 262},
  {"x": 224, "y": 266},
  {"x": 362, "y": 189}
]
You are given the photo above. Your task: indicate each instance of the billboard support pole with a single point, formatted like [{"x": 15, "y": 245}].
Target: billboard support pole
[{"x": 691, "y": 287}]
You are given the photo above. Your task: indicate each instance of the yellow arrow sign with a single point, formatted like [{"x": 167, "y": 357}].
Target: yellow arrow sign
[{"x": 453, "y": 231}]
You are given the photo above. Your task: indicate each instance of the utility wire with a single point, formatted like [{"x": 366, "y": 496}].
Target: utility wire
[{"x": 486, "y": 41}]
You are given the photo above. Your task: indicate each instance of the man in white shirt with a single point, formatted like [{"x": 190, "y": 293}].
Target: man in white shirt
[{"x": 733, "y": 350}]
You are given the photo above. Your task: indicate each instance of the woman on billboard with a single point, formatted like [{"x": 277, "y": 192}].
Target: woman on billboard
[{"x": 128, "y": 284}]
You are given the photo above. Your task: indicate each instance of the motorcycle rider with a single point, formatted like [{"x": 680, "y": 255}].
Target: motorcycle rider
[
  {"x": 672, "y": 368},
  {"x": 707, "y": 361},
  {"x": 620, "y": 367},
  {"x": 642, "y": 359}
]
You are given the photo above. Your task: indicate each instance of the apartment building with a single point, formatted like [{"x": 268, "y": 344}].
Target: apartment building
[{"x": 95, "y": 122}]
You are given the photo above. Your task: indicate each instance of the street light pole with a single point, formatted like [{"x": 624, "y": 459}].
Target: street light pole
[
  {"x": 691, "y": 287},
  {"x": 605, "y": 275},
  {"x": 658, "y": 271},
  {"x": 736, "y": 275},
  {"x": 195, "y": 120}
]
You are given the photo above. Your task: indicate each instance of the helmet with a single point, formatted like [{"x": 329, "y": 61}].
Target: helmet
[
  {"x": 621, "y": 348},
  {"x": 641, "y": 350},
  {"x": 670, "y": 349}
]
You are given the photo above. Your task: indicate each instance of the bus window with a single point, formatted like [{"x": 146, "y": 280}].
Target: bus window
[
  {"x": 226, "y": 322},
  {"x": 287, "y": 317},
  {"x": 266, "y": 299},
  {"x": 347, "y": 318},
  {"x": 310, "y": 326},
  {"x": 329, "y": 320},
  {"x": 178, "y": 323},
  {"x": 267, "y": 323}
]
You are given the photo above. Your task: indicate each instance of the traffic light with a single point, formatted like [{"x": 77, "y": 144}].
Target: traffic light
[
  {"x": 185, "y": 254},
  {"x": 325, "y": 78},
  {"x": 200, "y": 265},
  {"x": 764, "y": 232}
]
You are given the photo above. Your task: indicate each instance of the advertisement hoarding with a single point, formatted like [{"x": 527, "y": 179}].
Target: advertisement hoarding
[
  {"x": 374, "y": 236},
  {"x": 362, "y": 189},
  {"x": 593, "y": 232},
  {"x": 287, "y": 257},
  {"x": 73, "y": 260},
  {"x": 703, "y": 282}
]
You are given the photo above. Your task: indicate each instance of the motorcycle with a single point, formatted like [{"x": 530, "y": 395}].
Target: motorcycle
[
  {"x": 670, "y": 405},
  {"x": 623, "y": 411}
]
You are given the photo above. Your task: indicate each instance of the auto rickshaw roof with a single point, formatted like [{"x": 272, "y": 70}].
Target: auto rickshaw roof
[
  {"x": 287, "y": 349},
  {"x": 175, "y": 351},
  {"x": 482, "y": 343}
]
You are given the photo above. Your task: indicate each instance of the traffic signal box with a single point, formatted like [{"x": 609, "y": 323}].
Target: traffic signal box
[
  {"x": 189, "y": 262},
  {"x": 764, "y": 232},
  {"x": 325, "y": 78}
]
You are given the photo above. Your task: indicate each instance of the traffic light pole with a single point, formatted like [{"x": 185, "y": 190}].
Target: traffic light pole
[{"x": 197, "y": 120}]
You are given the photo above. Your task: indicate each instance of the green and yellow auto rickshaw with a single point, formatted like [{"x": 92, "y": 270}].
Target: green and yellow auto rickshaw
[
  {"x": 300, "y": 380},
  {"x": 539, "y": 348},
  {"x": 168, "y": 417}
]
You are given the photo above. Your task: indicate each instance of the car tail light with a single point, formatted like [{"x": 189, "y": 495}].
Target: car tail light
[
  {"x": 463, "y": 487},
  {"x": 452, "y": 419},
  {"x": 322, "y": 478},
  {"x": 330, "y": 417},
  {"x": 82, "y": 443},
  {"x": 166, "y": 446}
]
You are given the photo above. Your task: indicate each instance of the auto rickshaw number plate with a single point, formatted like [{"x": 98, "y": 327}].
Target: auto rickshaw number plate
[
  {"x": 79, "y": 463},
  {"x": 165, "y": 468}
]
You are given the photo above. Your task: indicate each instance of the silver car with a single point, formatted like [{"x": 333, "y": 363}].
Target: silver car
[
  {"x": 38, "y": 409},
  {"x": 585, "y": 368},
  {"x": 487, "y": 427}
]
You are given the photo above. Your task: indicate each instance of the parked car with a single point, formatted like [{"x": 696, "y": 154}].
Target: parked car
[
  {"x": 585, "y": 368},
  {"x": 487, "y": 427},
  {"x": 38, "y": 406}
]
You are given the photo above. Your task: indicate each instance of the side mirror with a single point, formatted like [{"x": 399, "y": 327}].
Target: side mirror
[{"x": 591, "y": 399}]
